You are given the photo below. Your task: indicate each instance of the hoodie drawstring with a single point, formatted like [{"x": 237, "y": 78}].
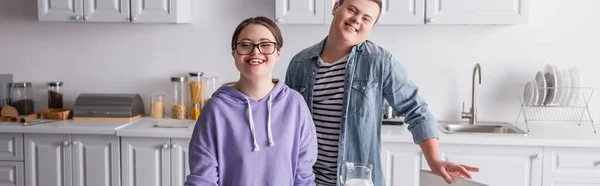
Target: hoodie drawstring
[
  {"x": 251, "y": 122},
  {"x": 269, "y": 103}
]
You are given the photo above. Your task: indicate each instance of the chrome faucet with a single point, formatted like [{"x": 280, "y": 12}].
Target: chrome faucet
[{"x": 472, "y": 114}]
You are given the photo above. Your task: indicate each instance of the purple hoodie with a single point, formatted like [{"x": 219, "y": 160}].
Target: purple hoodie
[{"x": 238, "y": 141}]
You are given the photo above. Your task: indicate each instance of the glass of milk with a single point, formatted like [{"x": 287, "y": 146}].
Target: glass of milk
[{"x": 357, "y": 174}]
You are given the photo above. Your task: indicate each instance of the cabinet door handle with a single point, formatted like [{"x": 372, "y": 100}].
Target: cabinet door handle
[
  {"x": 77, "y": 17},
  {"x": 86, "y": 18},
  {"x": 597, "y": 163},
  {"x": 431, "y": 20},
  {"x": 65, "y": 143},
  {"x": 537, "y": 156},
  {"x": 74, "y": 143},
  {"x": 173, "y": 145},
  {"x": 134, "y": 18},
  {"x": 165, "y": 146}
]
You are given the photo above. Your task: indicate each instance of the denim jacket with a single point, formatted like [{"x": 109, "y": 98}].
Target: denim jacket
[{"x": 372, "y": 74}]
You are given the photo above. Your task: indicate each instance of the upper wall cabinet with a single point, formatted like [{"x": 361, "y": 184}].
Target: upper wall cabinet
[
  {"x": 413, "y": 12},
  {"x": 477, "y": 11},
  {"x": 135, "y": 11},
  {"x": 300, "y": 11}
]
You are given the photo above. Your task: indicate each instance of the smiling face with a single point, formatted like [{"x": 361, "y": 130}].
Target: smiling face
[
  {"x": 353, "y": 20},
  {"x": 255, "y": 51}
]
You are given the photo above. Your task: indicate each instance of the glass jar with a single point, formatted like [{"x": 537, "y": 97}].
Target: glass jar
[
  {"x": 195, "y": 87},
  {"x": 179, "y": 108},
  {"x": 210, "y": 86},
  {"x": 157, "y": 106},
  {"x": 22, "y": 97},
  {"x": 55, "y": 95}
]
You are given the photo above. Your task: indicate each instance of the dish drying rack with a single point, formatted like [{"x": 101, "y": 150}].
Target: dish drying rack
[{"x": 576, "y": 110}]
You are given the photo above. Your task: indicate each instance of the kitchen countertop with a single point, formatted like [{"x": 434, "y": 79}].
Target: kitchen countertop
[
  {"x": 144, "y": 128},
  {"x": 541, "y": 134},
  {"x": 65, "y": 127}
]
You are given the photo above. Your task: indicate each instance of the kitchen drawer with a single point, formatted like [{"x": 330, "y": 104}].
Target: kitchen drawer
[
  {"x": 11, "y": 173},
  {"x": 574, "y": 182},
  {"x": 11, "y": 147},
  {"x": 573, "y": 162}
]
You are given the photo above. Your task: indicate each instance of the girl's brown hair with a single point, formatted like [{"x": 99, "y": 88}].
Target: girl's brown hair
[{"x": 260, "y": 20}]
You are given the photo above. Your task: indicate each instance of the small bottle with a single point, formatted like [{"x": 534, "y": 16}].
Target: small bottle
[
  {"x": 179, "y": 108},
  {"x": 195, "y": 111},
  {"x": 157, "y": 106},
  {"x": 22, "y": 97},
  {"x": 55, "y": 96}
]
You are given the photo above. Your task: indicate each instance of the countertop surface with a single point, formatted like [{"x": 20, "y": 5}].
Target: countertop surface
[
  {"x": 540, "y": 134},
  {"x": 145, "y": 127},
  {"x": 65, "y": 127}
]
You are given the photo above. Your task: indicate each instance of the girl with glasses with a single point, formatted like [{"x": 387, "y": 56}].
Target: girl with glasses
[{"x": 255, "y": 131}]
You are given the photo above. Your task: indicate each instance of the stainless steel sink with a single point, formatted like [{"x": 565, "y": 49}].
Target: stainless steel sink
[{"x": 480, "y": 127}]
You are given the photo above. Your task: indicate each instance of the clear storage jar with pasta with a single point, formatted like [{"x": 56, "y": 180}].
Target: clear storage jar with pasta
[{"x": 195, "y": 86}]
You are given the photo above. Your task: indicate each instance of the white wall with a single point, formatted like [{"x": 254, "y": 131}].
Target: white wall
[{"x": 134, "y": 58}]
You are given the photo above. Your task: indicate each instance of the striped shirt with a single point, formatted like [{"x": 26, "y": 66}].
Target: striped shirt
[{"x": 327, "y": 113}]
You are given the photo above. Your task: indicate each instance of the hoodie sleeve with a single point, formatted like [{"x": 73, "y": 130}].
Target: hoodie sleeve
[
  {"x": 203, "y": 162},
  {"x": 308, "y": 151}
]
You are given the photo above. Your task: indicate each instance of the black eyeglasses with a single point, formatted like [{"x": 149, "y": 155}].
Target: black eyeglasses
[{"x": 245, "y": 48}]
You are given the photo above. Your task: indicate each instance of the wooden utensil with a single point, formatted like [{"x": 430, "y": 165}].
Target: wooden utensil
[{"x": 9, "y": 111}]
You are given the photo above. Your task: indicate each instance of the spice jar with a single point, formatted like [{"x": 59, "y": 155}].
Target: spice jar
[
  {"x": 195, "y": 82},
  {"x": 210, "y": 86},
  {"x": 179, "y": 108},
  {"x": 22, "y": 97},
  {"x": 157, "y": 106},
  {"x": 55, "y": 96}
]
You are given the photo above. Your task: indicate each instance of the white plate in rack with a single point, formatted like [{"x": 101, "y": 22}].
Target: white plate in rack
[
  {"x": 540, "y": 81},
  {"x": 549, "y": 76},
  {"x": 567, "y": 89},
  {"x": 574, "y": 98},
  {"x": 529, "y": 95}
]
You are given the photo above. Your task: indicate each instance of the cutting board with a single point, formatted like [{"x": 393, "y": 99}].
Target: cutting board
[{"x": 430, "y": 179}]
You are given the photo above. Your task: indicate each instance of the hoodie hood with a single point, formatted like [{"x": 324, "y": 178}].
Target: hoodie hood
[{"x": 230, "y": 94}]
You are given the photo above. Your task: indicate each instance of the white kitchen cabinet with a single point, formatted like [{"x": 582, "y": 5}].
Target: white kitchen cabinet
[
  {"x": 11, "y": 174},
  {"x": 11, "y": 147},
  {"x": 48, "y": 160},
  {"x": 96, "y": 160},
  {"x": 106, "y": 10},
  {"x": 163, "y": 11},
  {"x": 572, "y": 182},
  {"x": 401, "y": 163},
  {"x": 477, "y": 11},
  {"x": 163, "y": 160},
  {"x": 572, "y": 166},
  {"x": 136, "y": 11},
  {"x": 402, "y": 12},
  {"x": 65, "y": 160},
  {"x": 300, "y": 11},
  {"x": 180, "y": 166},
  {"x": 522, "y": 164},
  {"x": 60, "y": 10},
  {"x": 413, "y": 12}
]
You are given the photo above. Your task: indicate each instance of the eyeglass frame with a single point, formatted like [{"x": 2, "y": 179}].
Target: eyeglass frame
[{"x": 255, "y": 46}]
